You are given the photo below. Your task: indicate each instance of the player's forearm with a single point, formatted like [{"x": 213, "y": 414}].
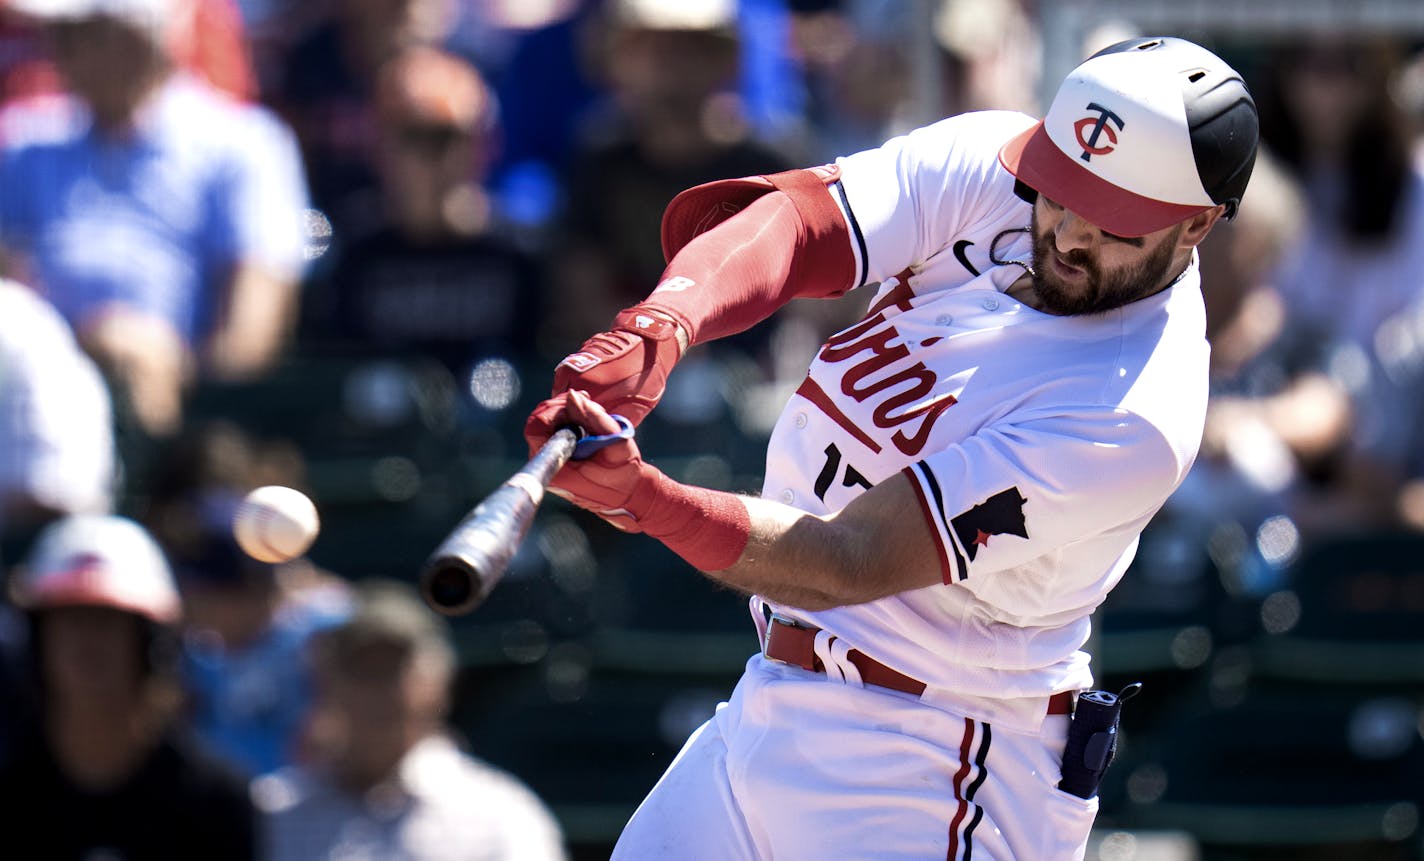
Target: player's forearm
[
  {"x": 801, "y": 560},
  {"x": 879, "y": 545},
  {"x": 749, "y": 544},
  {"x": 743, "y": 270}
]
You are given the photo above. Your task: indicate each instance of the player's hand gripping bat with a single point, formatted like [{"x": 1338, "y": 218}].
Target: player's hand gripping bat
[{"x": 464, "y": 569}]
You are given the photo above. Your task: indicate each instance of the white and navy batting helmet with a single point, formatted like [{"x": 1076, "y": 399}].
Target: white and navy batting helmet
[{"x": 1141, "y": 135}]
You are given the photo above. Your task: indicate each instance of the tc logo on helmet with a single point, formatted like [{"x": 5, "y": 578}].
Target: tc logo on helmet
[{"x": 1100, "y": 127}]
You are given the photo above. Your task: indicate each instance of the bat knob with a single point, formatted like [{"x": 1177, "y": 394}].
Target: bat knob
[{"x": 450, "y": 587}]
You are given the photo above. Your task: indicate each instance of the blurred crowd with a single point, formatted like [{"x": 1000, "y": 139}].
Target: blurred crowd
[{"x": 201, "y": 201}]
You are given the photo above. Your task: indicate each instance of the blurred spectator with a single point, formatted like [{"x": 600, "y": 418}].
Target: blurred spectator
[
  {"x": 529, "y": 53},
  {"x": 18, "y": 714},
  {"x": 870, "y": 72},
  {"x": 107, "y": 774},
  {"x": 1245, "y": 312},
  {"x": 206, "y": 37},
  {"x": 161, "y": 218},
  {"x": 26, "y": 70},
  {"x": 1353, "y": 394},
  {"x": 858, "y": 76},
  {"x": 272, "y": 27},
  {"x": 386, "y": 782},
  {"x": 441, "y": 275},
  {"x": 1244, "y": 472},
  {"x": 675, "y": 122},
  {"x": 247, "y": 624},
  {"x": 56, "y": 430},
  {"x": 327, "y": 86},
  {"x": 992, "y": 52},
  {"x": 773, "y": 89},
  {"x": 56, "y": 456}
]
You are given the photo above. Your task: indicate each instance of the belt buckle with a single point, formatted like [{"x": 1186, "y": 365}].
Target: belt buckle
[
  {"x": 773, "y": 619},
  {"x": 785, "y": 620}
]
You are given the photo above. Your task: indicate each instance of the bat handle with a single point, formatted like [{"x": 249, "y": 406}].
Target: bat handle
[{"x": 470, "y": 561}]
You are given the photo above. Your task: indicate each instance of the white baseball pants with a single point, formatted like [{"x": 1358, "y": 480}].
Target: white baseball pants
[{"x": 796, "y": 766}]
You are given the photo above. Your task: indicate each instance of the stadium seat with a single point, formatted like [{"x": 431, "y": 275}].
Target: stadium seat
[
  {"x": 1307, "y": 769},
  {"x": 590, "y": 742},
  {"x": 1350, "y": 615}
]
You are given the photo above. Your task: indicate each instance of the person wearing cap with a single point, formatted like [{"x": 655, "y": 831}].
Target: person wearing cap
[
  {"x": 161, "y": 217},
  {"x": 960, "y": 479},
  {"x": 385, "y": 779},
  {"x": 108, "y": 773},
  {"x": 440, "y": 272}
]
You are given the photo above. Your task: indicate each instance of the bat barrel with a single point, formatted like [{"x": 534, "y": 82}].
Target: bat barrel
[
  {"x": 450, "y": 586},
  {"x": 470, "y": 561}
]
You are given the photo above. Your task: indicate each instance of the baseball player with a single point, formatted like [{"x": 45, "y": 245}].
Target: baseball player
[{"x": 963, "y": 474}]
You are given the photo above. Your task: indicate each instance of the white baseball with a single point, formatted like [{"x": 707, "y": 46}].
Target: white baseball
[{"x": 275, "y": 523}]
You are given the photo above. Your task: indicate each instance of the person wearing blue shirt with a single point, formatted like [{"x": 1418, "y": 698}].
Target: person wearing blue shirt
[{"x": 163, "y": 219}]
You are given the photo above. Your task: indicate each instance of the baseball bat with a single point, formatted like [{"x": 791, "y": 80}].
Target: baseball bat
[{"x": 463, "y": 570}]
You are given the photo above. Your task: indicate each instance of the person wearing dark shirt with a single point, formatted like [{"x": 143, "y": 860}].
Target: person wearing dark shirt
[
  {"x": 673, "y": 121},
  {"x": 107, "y": 773},
  {"x": 439, "y": 276},
  {"x": 326, "y": 89}
]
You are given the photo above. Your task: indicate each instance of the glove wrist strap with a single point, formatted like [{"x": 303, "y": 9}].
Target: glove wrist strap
[{"x": 656, "y": 325}]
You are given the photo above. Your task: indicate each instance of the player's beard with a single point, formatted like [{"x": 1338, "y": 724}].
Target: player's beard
[{"x": 1098, "y": 291}]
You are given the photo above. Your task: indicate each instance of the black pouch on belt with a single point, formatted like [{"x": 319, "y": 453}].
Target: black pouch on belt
[{"x": 1092, "y": 739}]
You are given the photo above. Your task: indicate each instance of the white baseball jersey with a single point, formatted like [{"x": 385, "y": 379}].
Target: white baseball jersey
[{"x": 1040, "y": 445}]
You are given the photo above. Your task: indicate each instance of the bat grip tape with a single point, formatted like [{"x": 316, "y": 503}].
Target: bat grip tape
[{"x": 590, "y": 445}]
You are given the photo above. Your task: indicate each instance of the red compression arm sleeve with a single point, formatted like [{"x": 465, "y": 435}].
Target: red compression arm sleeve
[
  {"x": 740, "y": 272},
  {"x": 707, "y": 528}
]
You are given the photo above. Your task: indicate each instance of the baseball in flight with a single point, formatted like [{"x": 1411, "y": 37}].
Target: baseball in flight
[{"x": 275, "y": 523}]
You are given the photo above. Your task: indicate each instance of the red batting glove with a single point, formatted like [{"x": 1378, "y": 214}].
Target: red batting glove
[
  {"x": 609, "y": 482},
  {"x": 708, "y": 528},
  {"x": 626, "y": 368}
]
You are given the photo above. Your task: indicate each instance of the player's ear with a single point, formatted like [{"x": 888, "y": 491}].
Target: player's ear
[{"x": 1196, "y": 228}]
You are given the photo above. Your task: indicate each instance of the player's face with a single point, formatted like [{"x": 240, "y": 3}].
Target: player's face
[{"x": 1080, "y": 269}]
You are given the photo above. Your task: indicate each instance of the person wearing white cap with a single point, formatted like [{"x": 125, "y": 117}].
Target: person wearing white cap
[
  {"x": 163, "y": 219},
  {"x": 960, "y": 479},
  {"x": 107, "y": 773}
]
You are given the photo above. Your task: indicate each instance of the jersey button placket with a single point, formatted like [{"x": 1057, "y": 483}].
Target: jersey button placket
[
  {"x": 800, "y": 420},
  {"x": 991, "y": 303},
  {"x": 788, "y": 496}
]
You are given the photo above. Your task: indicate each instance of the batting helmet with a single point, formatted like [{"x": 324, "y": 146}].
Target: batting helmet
[
  {"x": 1142, "y": 135},
  {"x": 98, "y": 561}
]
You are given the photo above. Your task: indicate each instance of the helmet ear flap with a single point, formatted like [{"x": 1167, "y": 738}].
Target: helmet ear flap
[{"x": 1024, "y": 192}]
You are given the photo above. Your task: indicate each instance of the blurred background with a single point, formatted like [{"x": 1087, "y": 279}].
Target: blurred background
[{"x": 340, "y": 246}]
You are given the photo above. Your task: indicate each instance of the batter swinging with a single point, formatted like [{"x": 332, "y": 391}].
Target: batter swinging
[{"x": 960, "y": 479}]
